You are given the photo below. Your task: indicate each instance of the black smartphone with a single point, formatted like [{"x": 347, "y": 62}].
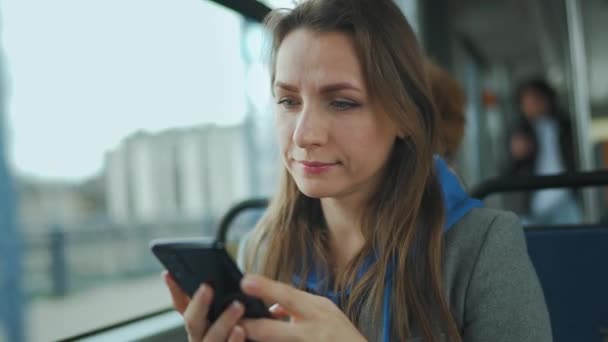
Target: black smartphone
[{"x": 194, "y": 261}]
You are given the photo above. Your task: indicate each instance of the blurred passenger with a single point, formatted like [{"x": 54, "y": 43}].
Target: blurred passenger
[
  {"x": 542, "y": 144},
  {"x": 369, "y": 236},
  {"x": 450, "y": 101}
]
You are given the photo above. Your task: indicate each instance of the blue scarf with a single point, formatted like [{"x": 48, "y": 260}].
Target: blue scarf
[{"x": 457, "y": 204}]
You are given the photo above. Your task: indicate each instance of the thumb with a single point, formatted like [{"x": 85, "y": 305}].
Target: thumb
[{"x": 295, "y": 302}]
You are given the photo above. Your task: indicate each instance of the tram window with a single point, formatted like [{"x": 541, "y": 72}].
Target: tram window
[{"x": 129, "y": 120}]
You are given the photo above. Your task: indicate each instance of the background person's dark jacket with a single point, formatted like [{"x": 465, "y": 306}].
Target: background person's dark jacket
[{"x": 527, "y": 166}]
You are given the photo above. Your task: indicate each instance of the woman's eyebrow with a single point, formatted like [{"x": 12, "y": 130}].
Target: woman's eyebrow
[
  {"x": 285, "y": 86},
  {"x": 328, "y": 88},
  {"x": 333, "y": 87}
]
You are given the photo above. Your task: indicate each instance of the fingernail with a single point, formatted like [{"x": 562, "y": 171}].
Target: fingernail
[
  {"x": 248, "y": 282},
  {"x": 202, "y": 289},
  {"x": 239, "y": 330},
  {"x": 236, "y": 306}
]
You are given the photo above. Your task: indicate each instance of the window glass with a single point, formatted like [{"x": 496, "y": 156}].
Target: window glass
[{"x": 127, "y": 121}]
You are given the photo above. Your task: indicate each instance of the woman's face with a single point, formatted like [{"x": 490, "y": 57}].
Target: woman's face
[
  {"x": 533, "y": 104},
  {"x": 333, "y": 141}
]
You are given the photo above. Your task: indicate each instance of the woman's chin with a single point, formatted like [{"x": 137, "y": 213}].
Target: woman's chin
[
  {"x": 315, "y": 193},
  {"x": 316, "y": 190}
]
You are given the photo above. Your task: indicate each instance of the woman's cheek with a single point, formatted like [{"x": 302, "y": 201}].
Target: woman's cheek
[
  {"x": 284, "y": 135},
  {"x": 285, "y": 130}
]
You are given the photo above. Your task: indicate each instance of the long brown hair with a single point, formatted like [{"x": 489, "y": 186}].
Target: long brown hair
[
  {"x": 403, "y": 220},
  {"x": 450, "y": 100}
]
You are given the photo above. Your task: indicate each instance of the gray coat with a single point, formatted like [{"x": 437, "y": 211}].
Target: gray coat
[{"x": 490, "y": 283}]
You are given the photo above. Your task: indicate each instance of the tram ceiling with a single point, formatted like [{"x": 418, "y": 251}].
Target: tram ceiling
[
  {"x": 529, "y": 36},
  {"x": 526, "y": 35}
]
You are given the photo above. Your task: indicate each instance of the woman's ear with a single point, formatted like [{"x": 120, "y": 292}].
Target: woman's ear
[
  {"x": 402, "y": 135},
  {"x": 403, "y": 132}
]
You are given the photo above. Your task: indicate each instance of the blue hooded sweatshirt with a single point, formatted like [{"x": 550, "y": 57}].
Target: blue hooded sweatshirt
[{"x": 457, "y": 204}]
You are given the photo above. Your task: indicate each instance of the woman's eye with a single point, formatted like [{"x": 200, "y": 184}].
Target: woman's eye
[
  {"x": 343, "y": 105},
  {"x": 287, "y": 102}
]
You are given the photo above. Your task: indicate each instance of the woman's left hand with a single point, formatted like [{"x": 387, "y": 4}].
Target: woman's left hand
[{"x": 312, "y": 318}]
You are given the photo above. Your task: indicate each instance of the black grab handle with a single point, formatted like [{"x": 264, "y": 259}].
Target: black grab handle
[
  {"x": 252, "y": 9},
  {"x": 255, "y": 203},
  {"x": 527, "y": 183},
  {"x": 492, "y": 186}
]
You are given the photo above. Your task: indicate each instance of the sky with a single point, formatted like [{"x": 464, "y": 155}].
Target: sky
[{"x": 84, "y": 74}]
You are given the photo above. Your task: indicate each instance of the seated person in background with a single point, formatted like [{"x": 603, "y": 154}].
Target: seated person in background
[
  {"x": 369, "y": 236},
  {"x": 541, "y": 144},
  {"x": 450, "y": 101}
]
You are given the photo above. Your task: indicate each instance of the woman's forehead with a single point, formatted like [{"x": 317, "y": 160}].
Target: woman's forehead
[{"x": 310, "y": 58}]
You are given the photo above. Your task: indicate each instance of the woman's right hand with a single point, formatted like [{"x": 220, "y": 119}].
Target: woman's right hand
[{"x": 195, "y": 311}]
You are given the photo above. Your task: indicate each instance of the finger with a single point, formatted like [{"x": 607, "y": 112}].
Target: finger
[
  {"x": 269, "y": 330},
  {"x": 221, "y": 329},
  {"x": 237, "y": 334},
  {"x": 278, "y": 312},
  {"x": 195, "y": 316},
  {"x": 179, "y": 298},
  {"x": 294, "y": 301}
]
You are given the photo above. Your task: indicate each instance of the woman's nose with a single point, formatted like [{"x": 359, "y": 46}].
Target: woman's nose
[{"x": 311, "y": 128}]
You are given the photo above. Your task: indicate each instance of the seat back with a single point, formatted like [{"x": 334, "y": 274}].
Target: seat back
[{"x": 572, "y": 264}]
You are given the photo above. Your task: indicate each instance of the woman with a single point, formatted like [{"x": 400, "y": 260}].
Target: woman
[
  {"x": 542, "y": 144},
  {"x": 355, "y": 244},
  {"x": 450, "y": 102}
]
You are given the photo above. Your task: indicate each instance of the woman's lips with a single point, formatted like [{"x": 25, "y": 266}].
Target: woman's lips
[{"x": 316, "y": 168}]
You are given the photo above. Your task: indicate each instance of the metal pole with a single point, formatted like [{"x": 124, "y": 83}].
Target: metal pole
[
  {"x": 251, "y": 141},
  {"x": 582, "y": 111},
  {"x": 471, "y": 170},
  {"x": 59, "y": 269},
  {"x": 11, "y": 296}
]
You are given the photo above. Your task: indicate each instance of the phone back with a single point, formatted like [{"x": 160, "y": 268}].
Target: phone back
[{"x": 194, "y": 261}]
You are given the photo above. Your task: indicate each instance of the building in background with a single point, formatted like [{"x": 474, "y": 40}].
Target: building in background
[
  {"x": 69, "y": 206},
  {"x": 179, "y": 174}
]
